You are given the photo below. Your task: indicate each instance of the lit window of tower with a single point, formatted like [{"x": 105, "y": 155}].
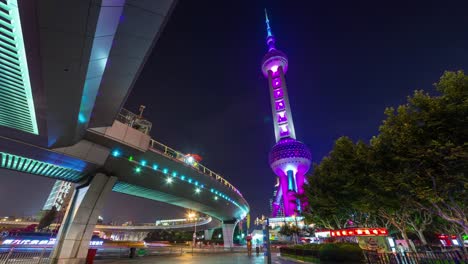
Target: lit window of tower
[{"x": 289, "y": 159}]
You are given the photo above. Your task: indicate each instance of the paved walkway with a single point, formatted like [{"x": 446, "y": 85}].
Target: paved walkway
[{"x": 229, "y": 258}]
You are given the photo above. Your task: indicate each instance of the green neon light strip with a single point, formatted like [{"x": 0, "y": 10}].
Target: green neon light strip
[
  {"x": 16, "y": 100},
  {"x": 18, "y": 163}
]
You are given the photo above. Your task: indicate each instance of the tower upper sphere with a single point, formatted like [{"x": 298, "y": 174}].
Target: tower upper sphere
[{"x": 274, "y": 59}]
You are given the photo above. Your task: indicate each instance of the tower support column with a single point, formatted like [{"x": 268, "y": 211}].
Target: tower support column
[
  {"x": 288, "y": 204},
  {"x": 82, "y": 214},
  {"x": 228, "y": 233}
]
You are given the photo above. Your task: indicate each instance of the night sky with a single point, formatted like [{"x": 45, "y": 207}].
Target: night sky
[{"x": 205, "y": 93}]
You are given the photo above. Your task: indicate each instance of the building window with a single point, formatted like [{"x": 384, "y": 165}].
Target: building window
[
  {"x": 276, "y": 82},
  {"x": 281, "y": 117},
  {"x": 278, "y": 93},
  {"x": 279, "y": 105}
]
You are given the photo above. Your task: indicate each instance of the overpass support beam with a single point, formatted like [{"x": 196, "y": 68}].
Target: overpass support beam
[
  {"x": 80, "y": 220},
  {"x": 209, "y": 234},
  {"x": 228, "y": 233}
]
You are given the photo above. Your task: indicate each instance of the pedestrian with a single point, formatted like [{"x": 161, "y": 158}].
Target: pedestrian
[
  {"x": 401, "y": 248},
  {"x": 249, "y": 247}
]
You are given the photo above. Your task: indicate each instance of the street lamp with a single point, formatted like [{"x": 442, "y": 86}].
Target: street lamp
[
  {"x": 296, "y": 238},
  {"x": 260, "y": 221},
  {"x": 194, "y": 216}
]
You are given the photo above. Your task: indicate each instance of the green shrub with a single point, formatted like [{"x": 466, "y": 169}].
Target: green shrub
[
  {"x": 330, "y": 252},
  {"x": 340, "y": 252}
]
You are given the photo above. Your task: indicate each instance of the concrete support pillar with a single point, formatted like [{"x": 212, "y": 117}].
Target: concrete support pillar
[
  {"x": 228, "y": 233},
  {"x": 81, "y": 218},
  {"x": 209, "y": 234}
]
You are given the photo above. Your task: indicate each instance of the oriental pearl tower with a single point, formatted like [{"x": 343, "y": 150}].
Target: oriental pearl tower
[{"x": 289, "y": 159}]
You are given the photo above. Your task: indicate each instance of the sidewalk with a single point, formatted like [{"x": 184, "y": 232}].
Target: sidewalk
[{"x": 228, "y": 258}]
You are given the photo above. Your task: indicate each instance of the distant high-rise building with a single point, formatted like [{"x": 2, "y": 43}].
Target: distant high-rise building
[
  {"x": 59, "y": 196},
  {"x": 273, "y": 202}
]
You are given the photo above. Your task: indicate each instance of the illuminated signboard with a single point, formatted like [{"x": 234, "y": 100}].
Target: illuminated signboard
[
  {"x": 447, "y": 237},
  {"x": 359, "y": 232},
  {"x": 42, "y": 242}
]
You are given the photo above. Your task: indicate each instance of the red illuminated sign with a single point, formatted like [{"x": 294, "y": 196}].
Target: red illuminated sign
[
  {"x": 447, "y": 237},
  {"x": 359, "y": 232}
]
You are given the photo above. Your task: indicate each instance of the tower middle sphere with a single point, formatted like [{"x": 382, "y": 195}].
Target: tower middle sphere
[{"x": 290, "y": 154}]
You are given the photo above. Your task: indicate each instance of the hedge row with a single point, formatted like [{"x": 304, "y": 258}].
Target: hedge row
[{"x": 327, "y": 252}]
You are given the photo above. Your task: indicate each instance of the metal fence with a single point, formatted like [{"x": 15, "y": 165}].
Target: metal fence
[
  {"x": 112, "y": 253},
  {"x": 19, "y": 255},
  {"x": 125, "y": 252},
  {"x": 24, "y": 255},
  {"x": 429, "y": 257}
]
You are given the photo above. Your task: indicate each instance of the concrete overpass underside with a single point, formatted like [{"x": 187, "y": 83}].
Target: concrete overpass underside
[{"x": 69, "y": 68}]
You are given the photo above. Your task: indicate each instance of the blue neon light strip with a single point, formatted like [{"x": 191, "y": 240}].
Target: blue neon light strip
[
  {"x": 107, "y": 22},
  {"x": 16, "y": 100},
  {"x": 291, "y": 186},
  {"x": 32, "y": 166},
  {"x": 146, "y": 193}
]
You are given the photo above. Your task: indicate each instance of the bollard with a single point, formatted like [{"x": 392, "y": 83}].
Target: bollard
[
  {"x": 91, "y": 255},
  {"x": 132, "y": 252}
]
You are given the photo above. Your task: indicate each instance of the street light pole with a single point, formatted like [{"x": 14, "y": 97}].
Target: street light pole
[
  {"x": 266, "y": 241},
  {"x": 194, "y": 235},
  {"x": 194, "y": 239},
  {"x": 296, "y": 231},
  {"x": 193, "y": 216}
]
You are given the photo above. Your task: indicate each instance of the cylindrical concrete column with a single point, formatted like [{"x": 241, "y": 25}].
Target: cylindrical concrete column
[
  {"x": 228, "y": 233},
  {"x": 82, "y": 214},
  {"x": 209, "y": 234}
]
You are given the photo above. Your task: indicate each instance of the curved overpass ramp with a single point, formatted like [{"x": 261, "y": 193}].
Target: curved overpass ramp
[
  {"x": 163, "y": 175},
  {"x": 143, "y": 168},
  {"x": 124, "y": 159}
]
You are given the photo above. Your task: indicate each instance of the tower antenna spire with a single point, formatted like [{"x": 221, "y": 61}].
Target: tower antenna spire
[{"x": 270, "y": 34}]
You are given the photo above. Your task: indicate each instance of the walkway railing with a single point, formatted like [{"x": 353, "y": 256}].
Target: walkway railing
[
  {"x": 170, "y": 225},
  {"x": 113, "y": 253},
  {"x": 201, "y": 222},
  {"x": 181, "y": 157},
  {"x": 134, "y": 120},
  {"x": 24, "y": 255},
  {"x": 429, "y": 257}
]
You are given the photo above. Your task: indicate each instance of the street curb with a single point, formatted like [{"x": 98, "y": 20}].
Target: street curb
[{"x": 294, "y": 260}]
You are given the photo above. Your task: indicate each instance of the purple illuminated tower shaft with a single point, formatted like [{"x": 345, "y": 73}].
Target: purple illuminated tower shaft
[{"x": 289, "y": 159}]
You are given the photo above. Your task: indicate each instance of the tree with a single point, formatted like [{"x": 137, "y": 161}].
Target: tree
[
  {"x": 414, "y": 167},
  {"x": 418, "y": 221},
  {"x": 425, "y": 148},
  {"x": 48, "y": 218},
  {"x": 337, "y": 185},
  {"x": 289, "y": 230}
]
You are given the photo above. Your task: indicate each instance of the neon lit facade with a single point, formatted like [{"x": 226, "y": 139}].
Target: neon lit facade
[
  {"x": 289, "y": 159},
  {"x": 59, "y": 196},
  {"x": 41, "y": 242},
  {"x": 359, "y": 232},
  {"x": 32, "y": 166},
  {"x": 16, "y": 100}
]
